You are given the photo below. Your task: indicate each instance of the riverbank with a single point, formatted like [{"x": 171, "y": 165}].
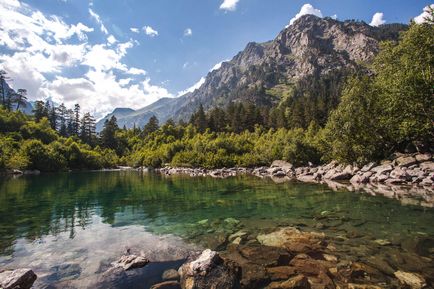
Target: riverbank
[{"x": 409, "y": 178}]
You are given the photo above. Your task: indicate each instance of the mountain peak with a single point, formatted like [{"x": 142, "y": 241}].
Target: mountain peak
[{"x": 310, "y": 47}]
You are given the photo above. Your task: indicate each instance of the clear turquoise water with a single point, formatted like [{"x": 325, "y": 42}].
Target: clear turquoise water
[{"x": 90, "y": 218}]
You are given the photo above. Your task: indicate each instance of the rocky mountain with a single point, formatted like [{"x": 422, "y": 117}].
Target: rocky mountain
[{"x": 310, "y": 47}]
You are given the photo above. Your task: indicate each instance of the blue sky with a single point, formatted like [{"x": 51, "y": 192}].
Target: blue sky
[{"x": 110, "y": 53}]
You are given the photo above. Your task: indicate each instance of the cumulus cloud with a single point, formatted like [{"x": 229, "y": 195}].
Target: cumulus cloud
[
  {"x": 425, "y": 14},
  {"x": 42, "y": 49},
  {"x": 188, "y": 32},
  {"x": 377, "y": 19},
  {"x": 98, "y": 20},
  {"x": 306, "y": 9},
  {"x": 229, "y": 5},
  {"x": 134, "y": 30},
  {"x": 150, "y": 31}
]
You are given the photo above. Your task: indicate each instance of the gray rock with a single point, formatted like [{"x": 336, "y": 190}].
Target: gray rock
[
  {"x": 382, "y": 169},
  {"x": 282, "y": 164},
  {"x": 209, "y": 271},
  {"x": 341, "y": 176},
  {"x": 427, "y": 166},
  {"x": 368, "y": 167},
  {"x": 17, "y": 279},
  {"x": 128, "y": 262},
  {"x": 17, "y": 172},
  {"x": 423, "y": 157},
  {"x": 406, "y": 161}
]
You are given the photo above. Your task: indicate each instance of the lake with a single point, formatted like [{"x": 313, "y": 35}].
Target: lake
[{"x": 68, "y": 227}]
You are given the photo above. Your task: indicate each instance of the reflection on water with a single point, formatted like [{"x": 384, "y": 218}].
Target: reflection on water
[{"x": 89, "y": 219}]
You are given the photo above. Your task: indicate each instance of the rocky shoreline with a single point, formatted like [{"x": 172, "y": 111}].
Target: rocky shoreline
[{"x": 405, "y": 177}]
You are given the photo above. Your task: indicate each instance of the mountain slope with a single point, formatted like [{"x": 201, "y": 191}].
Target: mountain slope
[{"x": 312, "y": 47}]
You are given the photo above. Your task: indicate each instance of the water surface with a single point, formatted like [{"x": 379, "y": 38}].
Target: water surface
[{"x": 70, "y": 226}]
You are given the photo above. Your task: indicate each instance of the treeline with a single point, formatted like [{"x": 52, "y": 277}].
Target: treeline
[{"x": 386, "y": 107}]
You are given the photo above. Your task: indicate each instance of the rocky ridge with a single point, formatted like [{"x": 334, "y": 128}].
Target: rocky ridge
[{"x": 310, "y": 47}]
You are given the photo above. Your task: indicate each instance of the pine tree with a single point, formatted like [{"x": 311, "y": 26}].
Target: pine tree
[
  {"x": 21, "y": 98},
  {"x": 63, "y": 120},
  {"x": 151, "y": 126},
  {"x": 53, "y": 117},
  {"x": 39, "y": 110},
  {"x": 76, "y": 122},
  {"x": 108, "y": 134},
  {"x": 87, "y": 129}
]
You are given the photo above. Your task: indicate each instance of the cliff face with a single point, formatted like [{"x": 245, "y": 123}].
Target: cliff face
[{"x": 310, "y": 47}]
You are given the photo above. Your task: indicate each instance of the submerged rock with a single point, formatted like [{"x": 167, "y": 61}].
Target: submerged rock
[
  {"x": 17, "y": 279},
  {"x": 170, "y": 275},
  {"x": 128, "y": 262},
  {"x": 415, "y": 281},
  {"x": 293, "y": 240},
  {"x": 297, "y": 282}
]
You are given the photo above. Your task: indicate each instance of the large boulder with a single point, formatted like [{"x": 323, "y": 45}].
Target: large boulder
[
  {"x": 209, "y": 271},
  {"x": 382, "y": 169},
  {"x": 282, "y": 164},
  {"x": 17, "y": 279}
]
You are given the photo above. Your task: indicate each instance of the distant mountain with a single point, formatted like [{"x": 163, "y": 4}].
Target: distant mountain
[
  {"x": 27, "y": 108},
  {"x": 310, "y": 47},
  {"x": 163, "y": 109}
]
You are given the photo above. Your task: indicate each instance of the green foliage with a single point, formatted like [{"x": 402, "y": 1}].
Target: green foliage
[
  {"x": 353, "y": 132},
  {"x": 11, "y": 121},
  {"x": 405, "y": 83},
  {"x": 42, "y": 157},
  {"x": 39, "y": 130},
  {"x": 390, "y": 110}
]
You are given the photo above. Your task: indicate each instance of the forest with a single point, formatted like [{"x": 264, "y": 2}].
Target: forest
[{"x": 351, "y": 117}]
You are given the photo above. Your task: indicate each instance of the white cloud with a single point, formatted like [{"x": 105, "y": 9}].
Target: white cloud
[
  {"x": 188, "y": 32},
  {"x": 111, "y": 40},
  {"x": 306, "y": 9},
  {"x": 377, "y": 19},
  {"x": 422, "y": 17},
  {"x": 42, "y": 49},
  {"x": 134, "y": 30},
  {"x": 136, "y": 71},
  {"x": 193, "y": 87},
  {"x": 150, "y": 31},
  {"x": 98, "y": 20},
  {"x": 335, "y": 16},
  {"x": 229, "y": 5}
]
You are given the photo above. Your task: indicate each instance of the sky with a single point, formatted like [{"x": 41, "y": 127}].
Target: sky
[{"x": 105, "y": 54}]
